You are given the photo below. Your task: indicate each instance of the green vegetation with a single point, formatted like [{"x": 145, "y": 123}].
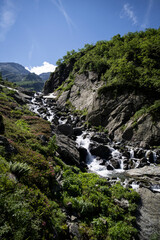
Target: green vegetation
[
  {"x": 34, "y": 205},
  {"x": 130, "y": 61},
  {"x": 65, "y": 86},
  {"x": 153, "y": 110},
  {"x": 94, "y": 200},
  {"x": 82, "y": 112}
]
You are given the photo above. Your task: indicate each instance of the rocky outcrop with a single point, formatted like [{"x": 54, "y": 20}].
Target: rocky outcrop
[
  {"x": 112, "y": 109},
  {"x": 81, "y": 94},
  {"x": 136, "y": 132},
  {"x": 67, "y": 150},
  {"x": 116, "y": 115},
  {"x": 57, "y": 77},
  {"x": 149, "y": 215},
  {"x": 149, "y": 175}
]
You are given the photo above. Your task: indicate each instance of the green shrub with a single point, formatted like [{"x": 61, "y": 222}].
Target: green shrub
[
  {"x": 19, "y": 169},
  {"x": 22, "y": 124},
  {"x": 122, "y": 231}
]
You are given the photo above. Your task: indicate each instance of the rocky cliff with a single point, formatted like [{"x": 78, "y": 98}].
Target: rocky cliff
[
  {"x": 127, "y": 114},
  {"x": 117, "y": 84}
]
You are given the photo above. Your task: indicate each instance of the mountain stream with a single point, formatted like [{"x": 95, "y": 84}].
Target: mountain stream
[{"x": 45, "y": 107}]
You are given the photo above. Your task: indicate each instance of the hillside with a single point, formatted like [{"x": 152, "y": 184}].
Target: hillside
[
  {"x": 117, "y": 84},
  {"x": 45, "y": 76},
  {"x": 16, "y": 73},
  {"x": 70, "y": 161},
  {"x": 44, "y": 197}
]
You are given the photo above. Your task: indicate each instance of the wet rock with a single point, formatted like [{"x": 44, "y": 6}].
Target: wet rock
[
  {"x": 139, "y": 153},
  {"x": 109, "y": 167},
  {"x": 41, "y": 110},
  {"x": 83, "y": 153},
  {"x": 100, "y": 150},
  {"x": 100, "y": 138},
  {"x": 125, "y": 164},
  {"x": 143, "y": 162},
  {"x": 55, "y": 120},
  {"x": 115, "y": 163},
  {"x": 67, "y": 150},
  {"x": 150, "y": 156},
  {"x": 77, "y": 131},
  {"x": 65, "y": 129},
  {"x": 132, "y": 163},
  {"x": 149, "y": 174},
  {"x": 158, "y": 160},
  {"x": 126, "y": 154}
]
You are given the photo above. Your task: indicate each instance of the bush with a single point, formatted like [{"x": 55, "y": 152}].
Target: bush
[{"x": 19, "y": 169}]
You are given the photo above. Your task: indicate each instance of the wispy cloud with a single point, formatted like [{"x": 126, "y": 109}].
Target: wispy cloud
[
  {"x": 59, "y": 5},
  {"x": 46, "y": 67},
  {"x": 128, "y": 12},
  {"x": 147, "y": 15},
  {"x": 30, "y": 53},
  {"x": 7, "y": 17}
]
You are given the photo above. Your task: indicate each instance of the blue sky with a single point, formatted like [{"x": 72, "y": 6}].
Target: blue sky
[{"x": 39, "y": 32}]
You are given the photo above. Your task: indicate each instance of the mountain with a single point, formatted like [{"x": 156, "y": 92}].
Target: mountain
[
  {"x": 16, "y": 73},
  {"x": 45, "y": 76},
  {"x": 117, "y": 83}
]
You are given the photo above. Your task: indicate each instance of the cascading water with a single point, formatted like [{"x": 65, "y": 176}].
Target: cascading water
[
  {"x": 42, "y": 106},
  {"x": 92, "y": 163}
]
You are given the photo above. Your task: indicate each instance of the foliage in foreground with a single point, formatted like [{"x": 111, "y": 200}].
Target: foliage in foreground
[{"x": 34, "y": 205}]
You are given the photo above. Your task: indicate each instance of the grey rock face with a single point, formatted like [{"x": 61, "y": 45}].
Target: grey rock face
[
  {"x": 149, "y": 215},
  {"x": 67, "y": 150},
  {"x": 113, "y": 111},
  {"x": 65, "y": 129}
]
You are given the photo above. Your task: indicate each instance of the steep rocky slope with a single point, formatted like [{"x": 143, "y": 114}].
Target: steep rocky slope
[
  {"x": 117, "y": 84},
  {"x": 126, "y": 113}
]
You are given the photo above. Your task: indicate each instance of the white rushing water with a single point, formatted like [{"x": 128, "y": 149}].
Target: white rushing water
[
  {"x": 42, "y": 106},
  {"x": 93, "y": 164}
]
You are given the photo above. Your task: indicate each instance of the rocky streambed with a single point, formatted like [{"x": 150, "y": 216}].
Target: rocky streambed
[{"x": 86, "y": 148}]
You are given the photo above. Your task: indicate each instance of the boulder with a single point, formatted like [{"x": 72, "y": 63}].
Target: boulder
[
  {"x": 149, "y": 174},
  {"x": 77, "y": 131},
  {"x": 109, "y": 167},
  {"x": 115, "y": 163},
  {"x": 139, "y": 153},
  {"x": 143, "y": 162},
  {"x": 148, "y": 214},
  {"x": 150, "y": 156},
  {"x": 100, "y": 150},
  {"x": 67, "y": 150},
  {"x": 100, "y": 138},
  {"x": 65, "y": 129},
  {"x": 83, "y": 153},
  {"x": 125, "y": 164}
]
